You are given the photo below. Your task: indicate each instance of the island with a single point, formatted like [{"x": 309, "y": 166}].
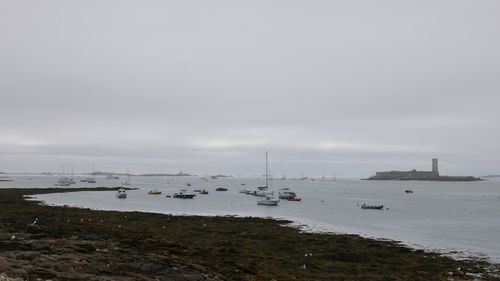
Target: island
[{"x": 420, "y": 175}]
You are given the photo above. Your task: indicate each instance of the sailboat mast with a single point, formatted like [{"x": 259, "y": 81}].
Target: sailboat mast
[{"x": 267, "y": 172}]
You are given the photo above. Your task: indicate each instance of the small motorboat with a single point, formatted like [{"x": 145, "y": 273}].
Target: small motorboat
[
  {"x": 182, "y": 195},
  {"x": 197, "y": 190},
  {"x": 154, "y": 192},
  {"x": 409, "y": 191},
  {"x": 372, "y": 207},
  {"x": 204, "y": 191},
  {"x": 121, "y": 193},
  {"x": 221, "y": 189},
  {"x": 294, "y": 198}
]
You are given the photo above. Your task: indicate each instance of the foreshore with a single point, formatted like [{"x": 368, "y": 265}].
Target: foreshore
[{"x": 67, "y": 243}]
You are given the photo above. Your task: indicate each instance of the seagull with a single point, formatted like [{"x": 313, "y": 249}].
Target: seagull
[{"x": 33, "y": 223}]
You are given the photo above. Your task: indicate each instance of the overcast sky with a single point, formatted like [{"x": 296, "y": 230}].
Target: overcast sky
[{"x": 344, "y": 87}]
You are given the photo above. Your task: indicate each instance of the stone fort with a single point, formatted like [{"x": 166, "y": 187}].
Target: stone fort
[{"x": 413, "y": 174}]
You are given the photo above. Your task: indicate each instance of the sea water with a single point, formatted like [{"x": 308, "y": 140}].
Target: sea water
[{"x": 457, "y": 218}]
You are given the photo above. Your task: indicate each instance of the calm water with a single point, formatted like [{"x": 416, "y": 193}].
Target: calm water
[{"x": 462, "y": 219}]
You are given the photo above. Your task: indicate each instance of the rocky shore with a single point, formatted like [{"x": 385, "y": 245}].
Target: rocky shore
[{"x": 40, "y": 242}]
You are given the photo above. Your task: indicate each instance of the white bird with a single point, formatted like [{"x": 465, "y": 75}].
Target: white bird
[
  {"x": 12, "y": 237},
  {"x": 33, "y": 223}
]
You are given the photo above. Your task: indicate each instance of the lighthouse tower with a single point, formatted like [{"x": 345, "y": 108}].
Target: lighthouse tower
[{"x": 435, "y": 170}]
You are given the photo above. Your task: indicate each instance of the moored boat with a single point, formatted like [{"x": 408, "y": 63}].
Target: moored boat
[
  {"x": 154, "y": 192},
  {"x": 269, "y": 201},
  {"x": 183, "y": 195},
  {"x": 121, "y": 193},
  {"x": 372, "y": 207},
  {"x": 221, "y": 189}
]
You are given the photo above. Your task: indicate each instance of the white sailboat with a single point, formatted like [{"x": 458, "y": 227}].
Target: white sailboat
[{"x": 270, "y": 200}]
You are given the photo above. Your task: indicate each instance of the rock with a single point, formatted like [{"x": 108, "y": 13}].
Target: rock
[
  {"x": 27, "y": 255},
  {"x": 33, "y": 228},
  {"x": 4, "y": 264},
  {"x": 4, "y": 277}
]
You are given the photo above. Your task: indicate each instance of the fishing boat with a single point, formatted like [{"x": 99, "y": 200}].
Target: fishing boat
[
  {"x": 154, "y": 192},
  {"x": 183, "y": 195},
  {"x": 372, "y": 207},
  {"x": 121, "y": 193}
]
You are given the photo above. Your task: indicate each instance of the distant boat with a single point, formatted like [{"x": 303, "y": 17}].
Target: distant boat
[
  {"x": 221, "y": 189},
  {"x": 409, "y": 191},
  {"x": 183, "y": 195},
  {"x": 92, "y": 179},
  {"x": 154, "y": 192},
  {"x": 121, "y": 193},
  {"x": 5, "y": 178},
  {"x": 188, "y": 184},
  {"x": 295, "y": 198},
  {"x": 84, "y": 180},
  {"x": 112, "y": 177},
  {"x": 372, "y": 207},
  {"x": 127, "y": 181},
  {"x": 204, "y": 191}
]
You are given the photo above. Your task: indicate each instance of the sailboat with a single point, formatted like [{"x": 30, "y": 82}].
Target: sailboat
[
  {"x": 127, "y": 182},
  {"x": 92, "y": 179},
  {"x": 270, "y": 200}
]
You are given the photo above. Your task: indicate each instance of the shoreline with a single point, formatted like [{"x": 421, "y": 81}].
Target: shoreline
[{"x": 207, "y": 248}]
